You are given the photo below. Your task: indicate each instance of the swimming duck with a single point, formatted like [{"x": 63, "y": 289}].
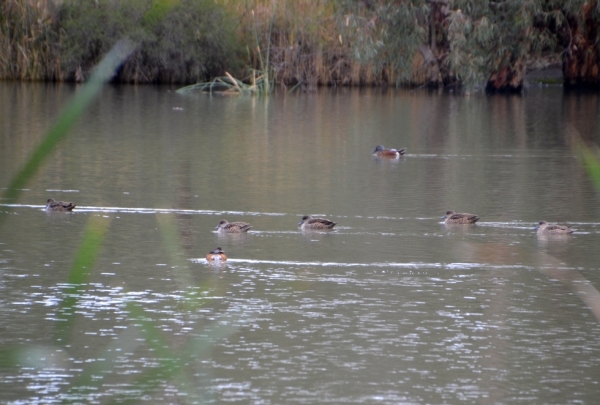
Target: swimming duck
[
  {"x": 381, "y": 151},
  {"x": 546, "y": 228},
  {"x": 232, "y": 227},
  {"x": 216, "y": 256},
  {"x": 452, "y": 217},
  {"x": 309, "y": 222},
  {"x": 64, "y": 206}
]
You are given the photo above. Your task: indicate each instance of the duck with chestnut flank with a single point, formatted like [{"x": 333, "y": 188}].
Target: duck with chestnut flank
[
  {"x": 383, "y": 152},
  {"x": 217, "y": 255}
]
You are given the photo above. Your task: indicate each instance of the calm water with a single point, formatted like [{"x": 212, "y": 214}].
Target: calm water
[{"x": 392, "y": 307}]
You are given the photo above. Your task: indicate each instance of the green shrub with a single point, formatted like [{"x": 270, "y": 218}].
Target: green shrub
[{"x": 177, "y": 41}]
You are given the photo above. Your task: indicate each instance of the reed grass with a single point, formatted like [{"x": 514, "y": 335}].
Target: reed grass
[
  {"x": 96, "y": 229},
  {"x": 291, "y": 43},
  {"x": 28, "y": 40},
  {"x": 193, "y": 40},
  {"x": 179, "y": 41},
  {"x": 83, "y": 264},
  {"x": 228, "y": 85},
  {"x": 68, "y": 117},
  {"x": 301, "y": 42},
  {"x": 589, "y": 155}
]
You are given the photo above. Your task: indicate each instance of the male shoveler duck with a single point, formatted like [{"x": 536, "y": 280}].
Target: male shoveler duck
[
  {"x": 309, "y": 222},
  {"x": 232, "y": 227},
  {"x": 381, "y": 151},
  {"x": 452, "y": 217},
  {"x": 545, "y": 228},
  {"x": 216, "y": 256},
  {"x": 63, "y": 206}
]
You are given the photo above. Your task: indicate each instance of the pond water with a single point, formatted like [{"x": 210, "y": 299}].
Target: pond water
[{"x": 390, "y": 307}]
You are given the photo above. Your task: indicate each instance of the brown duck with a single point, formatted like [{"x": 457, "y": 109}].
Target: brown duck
[
  {"x": 52, "y": 205},
  {"x": 545, "y": 228},
  {"x": 452, "y": 217},
  {"x": 309, "y": 222},
  {"x": 232, "y": 227}
]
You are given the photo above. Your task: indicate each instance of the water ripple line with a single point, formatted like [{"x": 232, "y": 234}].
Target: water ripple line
[
  {"x": 81, "y": 208},
  {"x": 410, "y": 265}
]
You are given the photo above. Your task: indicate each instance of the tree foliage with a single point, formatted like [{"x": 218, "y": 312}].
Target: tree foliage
[
  {"x": 189, "y": 41},
  {"x": 451, "y": 43},
  {"x": 469, "y": 42}
]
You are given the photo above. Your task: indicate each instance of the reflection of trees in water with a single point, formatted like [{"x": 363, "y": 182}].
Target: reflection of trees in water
[
  {"x": 572, "y": 279},
  {"x": 505, "y": 254}
]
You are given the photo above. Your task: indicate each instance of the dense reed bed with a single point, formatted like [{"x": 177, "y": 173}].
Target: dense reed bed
[
  {"x": 176, "y": 41},
  {"x": 294, "y": 43},
  {"x": 28, "y": 40},
  {"x": 303, "y": 43}
]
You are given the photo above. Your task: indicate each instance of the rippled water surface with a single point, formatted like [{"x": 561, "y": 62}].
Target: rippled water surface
[{"x": 116, "y": 302}]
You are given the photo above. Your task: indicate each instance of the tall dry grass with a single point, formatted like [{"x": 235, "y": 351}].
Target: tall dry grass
[
  {"x": 28, "y": 40},
  {"x": 303, "y": 43},
  {"x": 178, "y": 41},
  {"x": 184, "y": 41}
]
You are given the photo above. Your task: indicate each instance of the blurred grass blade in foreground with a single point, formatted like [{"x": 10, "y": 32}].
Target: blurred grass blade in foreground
[
  {"x": 69, "y": 115},
  {"x": 588, "y": 153},
  {"x": 83, "y": 263},
  {"x": 591, "y": 161}
]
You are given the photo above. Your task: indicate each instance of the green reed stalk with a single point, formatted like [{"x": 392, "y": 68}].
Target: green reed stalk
[
  {"x": 85, "y": 258},
  {"x": 590, "y": 155},
  {"x": 264, "y": 64},
  {"x": 172, "y": 361},
  {"x": 67, "y": 118}
]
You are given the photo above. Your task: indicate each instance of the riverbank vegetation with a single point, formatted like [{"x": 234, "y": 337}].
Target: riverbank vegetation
[
  {"x": 176, "y": 41},
  {"x": 307, "y": 43}
]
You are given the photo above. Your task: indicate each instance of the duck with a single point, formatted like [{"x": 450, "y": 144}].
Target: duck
[
  {"x": 309, "y": 222},
  {"x": 381, "y": 151},
  {"x": 63, "y": 206},
  {"x": 452, "y": 217},
  {"x": 232, "y": 227},
  {"x": 544, "y": 227},
  {"x": 217, "y": 255}
]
